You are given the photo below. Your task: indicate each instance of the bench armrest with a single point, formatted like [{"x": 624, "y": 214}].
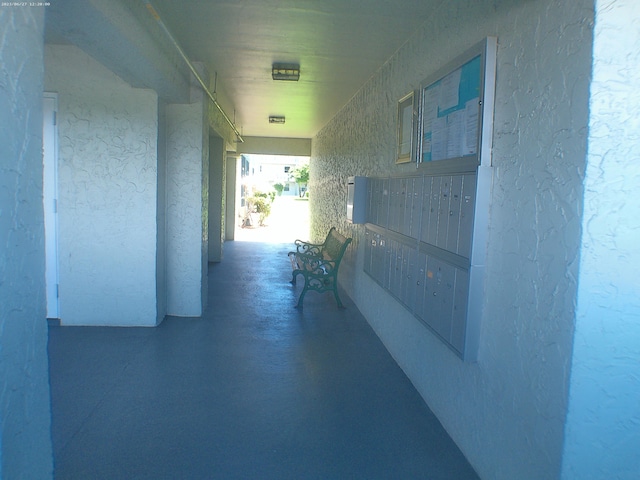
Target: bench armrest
[
  {"x": 313, "y": 264},
  {"x": 304, "y": 248}
]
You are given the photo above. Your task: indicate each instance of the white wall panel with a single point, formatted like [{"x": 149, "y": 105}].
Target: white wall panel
[
  {"x": 107, "y": 192},
  {"x": 603, "y": 423},
  {"x": 25, "y": 420},
  {"x": 507, "y": 411}
]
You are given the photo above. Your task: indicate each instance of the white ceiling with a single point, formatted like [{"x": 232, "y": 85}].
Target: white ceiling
[{"x": 339, "y": 45}]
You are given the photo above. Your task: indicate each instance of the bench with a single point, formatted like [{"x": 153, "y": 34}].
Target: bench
[{"x": 318, "y": 264}]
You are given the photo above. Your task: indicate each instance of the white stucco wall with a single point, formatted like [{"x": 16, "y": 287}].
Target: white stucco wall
[
  {"x": 217, "y": 197},
  {"x": 107, "y": 192},
  {"x": 507, "y": 411},
  {"x": 603, "y": 425},
  {"x": 161, "y": 214},
  {"x": 25, "y": 436},
  {"x": 232, "y": 196},
  {"x": 187, "y": 207}
]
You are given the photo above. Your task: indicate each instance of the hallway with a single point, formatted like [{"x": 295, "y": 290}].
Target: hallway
[{"x": 255, "y": 389}]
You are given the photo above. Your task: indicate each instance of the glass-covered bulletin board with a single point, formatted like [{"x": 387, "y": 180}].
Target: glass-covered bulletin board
[{"x": 456, "y": 106}]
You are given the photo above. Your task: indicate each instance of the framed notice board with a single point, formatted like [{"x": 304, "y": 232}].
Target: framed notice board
[
  {"x": 456, "y": 107},
  {"x": 406, "y": 129}
]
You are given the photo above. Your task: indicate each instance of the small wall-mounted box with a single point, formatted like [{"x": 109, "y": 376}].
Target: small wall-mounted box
[{"x": 357, "y": 200}]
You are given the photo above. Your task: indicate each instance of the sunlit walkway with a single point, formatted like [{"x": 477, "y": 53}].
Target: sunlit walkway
[
  {"x": 255, "y": 389},
  {"x": 289, "y": 220}
]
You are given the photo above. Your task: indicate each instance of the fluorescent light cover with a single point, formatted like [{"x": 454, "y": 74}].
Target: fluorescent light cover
[{"x": 285, "y": 71}]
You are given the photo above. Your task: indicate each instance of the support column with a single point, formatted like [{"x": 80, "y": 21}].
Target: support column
[
  {"x": 216, "y": 198},
  {"x": 187, "y": 206},
  {"x": 231, "y": 218}
]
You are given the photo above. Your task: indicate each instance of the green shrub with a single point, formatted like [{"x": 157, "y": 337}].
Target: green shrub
[{"x": 260, "y": 203}]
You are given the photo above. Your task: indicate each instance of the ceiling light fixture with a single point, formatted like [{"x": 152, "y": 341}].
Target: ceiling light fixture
[
  {"x": 275, "y": 119},
  {"x": 285, "y": 71}
]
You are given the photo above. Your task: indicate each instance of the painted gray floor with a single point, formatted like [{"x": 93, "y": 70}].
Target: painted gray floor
[{"x": 255, "y": 389}]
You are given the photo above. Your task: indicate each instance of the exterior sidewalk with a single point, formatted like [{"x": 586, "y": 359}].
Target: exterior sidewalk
[{"x": 288, "y": 221}]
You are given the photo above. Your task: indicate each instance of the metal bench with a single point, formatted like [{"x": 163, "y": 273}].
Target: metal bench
[{"x": 318, "y": 264}]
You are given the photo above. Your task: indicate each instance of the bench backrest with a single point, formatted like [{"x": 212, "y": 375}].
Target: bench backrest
[{"x": 334, "y": 246}]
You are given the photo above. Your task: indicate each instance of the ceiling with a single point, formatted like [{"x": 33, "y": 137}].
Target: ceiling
[{"x": 339, "y": 45}]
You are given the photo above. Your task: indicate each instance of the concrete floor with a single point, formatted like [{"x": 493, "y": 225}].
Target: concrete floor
[{"x": 255, "y": 389}]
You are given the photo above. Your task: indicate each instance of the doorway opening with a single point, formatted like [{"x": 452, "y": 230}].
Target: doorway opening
[{"x": 273, "y": 199}]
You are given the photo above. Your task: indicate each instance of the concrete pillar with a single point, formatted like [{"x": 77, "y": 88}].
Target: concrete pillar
[
  {"x": 187, "y": 205},
  {"x": 232, "y": 197},
  {"x": 217, "y": 180}
]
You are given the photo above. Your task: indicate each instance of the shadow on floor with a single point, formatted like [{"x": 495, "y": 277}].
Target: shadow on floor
[{"x": 254, "y": 389}]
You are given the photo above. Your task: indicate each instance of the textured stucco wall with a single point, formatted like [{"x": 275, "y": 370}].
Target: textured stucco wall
[
  {"x": 215, "y": 119},
  {"x": 123, "y": 36},
  {"x": 506, "y": 411},
  {"x": 603, "y": 425},
  {"x": 230, "y": 197},
  {"x": 25, "y": 438},
  {"x": 217, "y": 193},
  {"x": 107, "y": 192},
  {"x": 187, "y": 204},
  {"x": 161, "y": 214}
]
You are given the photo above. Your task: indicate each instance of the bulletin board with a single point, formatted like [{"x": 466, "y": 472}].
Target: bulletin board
[{"x": 456, "y": 106}]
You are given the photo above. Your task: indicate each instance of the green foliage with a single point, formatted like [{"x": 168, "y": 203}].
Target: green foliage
[
  {"x": 260, "y": 203},
  {"x": 301, "y": 176},
  {"x": 279, "y": 188}
]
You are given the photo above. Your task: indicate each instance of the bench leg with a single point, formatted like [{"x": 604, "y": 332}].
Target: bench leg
[
  {"x": 302, "y": 294},
  {"x": 306, "y": 289},
  {"x": 335, "y": 294}
]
